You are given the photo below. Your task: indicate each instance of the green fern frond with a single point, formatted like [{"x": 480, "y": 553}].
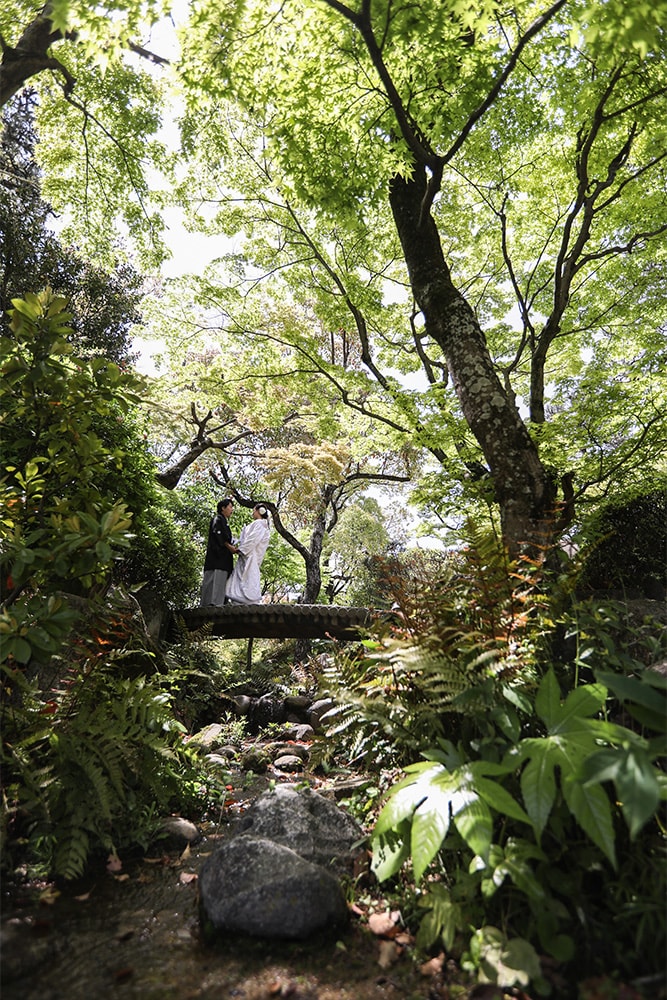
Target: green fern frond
[
  {"x": 442, "y": 667},
  {"x": 72, "y": 851}
]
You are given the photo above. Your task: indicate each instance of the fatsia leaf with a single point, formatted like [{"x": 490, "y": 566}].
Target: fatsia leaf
[
  {"x": 389, "y": 851},
  {"x": 500, "y": 799},
  {"x": 601, "y": 766},
  {"x": 632, "y": 689},
  {"x": 538, "y": 783},
  {"x": 653, "y": 721},
  {"x": 430, "y": 824},
  {"x": 473, "y": 820},
  {"x": 635, "y": 779},
  {"x": 582, "y": 702},
  {"x": 547, "y": 702},
  {"x": 637, "y": 788},
  {"x": 402, "y": 801},
  {"x": 590, "y": 807}
]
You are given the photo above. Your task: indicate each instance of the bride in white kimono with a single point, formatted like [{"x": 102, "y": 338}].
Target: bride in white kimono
[{"x": 243, "y": 586}]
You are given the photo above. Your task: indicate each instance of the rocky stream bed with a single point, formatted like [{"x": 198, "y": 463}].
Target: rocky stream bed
[{"x": 134, "y": 927}]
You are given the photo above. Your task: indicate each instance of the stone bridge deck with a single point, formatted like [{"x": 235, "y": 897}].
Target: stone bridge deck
[{"x": 278, "y": 621}]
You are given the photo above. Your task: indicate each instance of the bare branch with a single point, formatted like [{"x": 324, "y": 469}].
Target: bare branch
[{"x": 150, "y": 56}]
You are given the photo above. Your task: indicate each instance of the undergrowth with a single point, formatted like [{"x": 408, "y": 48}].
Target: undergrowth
[
  {"x": 530, "y": 731},
  {"x": 93, "y": 755}
]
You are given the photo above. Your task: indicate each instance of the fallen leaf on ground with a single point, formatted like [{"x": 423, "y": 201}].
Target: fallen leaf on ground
[
  {"x": 49, "y": 895},
  {"x": 83, "y": 898},
  {"x": 433, "y": 966}
]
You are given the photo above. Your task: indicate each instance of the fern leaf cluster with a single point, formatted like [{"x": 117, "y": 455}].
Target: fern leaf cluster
[
  {"x": 462, "y": 643},
  {"x": 89, "y": 763}
]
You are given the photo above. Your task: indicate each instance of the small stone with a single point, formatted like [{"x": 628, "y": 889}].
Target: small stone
[
  {"x": 301, "y": 731},
  {"x": 218, "y": 759},
  {"x": 208, "y": 737},
  {"x": 256, "y": 760},
  {"x": 318, "y": 709},
  {"x": 297, "y": 702},
  {"x": 289, "y": 762},
  {"x": 278, "y": 749},
  {"x": 179, "y": 831}
]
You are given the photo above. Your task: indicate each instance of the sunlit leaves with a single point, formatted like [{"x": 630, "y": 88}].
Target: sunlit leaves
[
  {"x": 427, "y": 798},
  {"x": 572, "y": 747},
  {"x": 604, "y": 26},
  {"x": 313, "y": 140}
]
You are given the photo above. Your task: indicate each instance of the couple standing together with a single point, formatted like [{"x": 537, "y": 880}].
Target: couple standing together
[{"x": 222, "y": 580}]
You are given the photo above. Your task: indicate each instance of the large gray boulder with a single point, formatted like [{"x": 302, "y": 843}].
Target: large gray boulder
[
  {"x": 308, "y": 823},
  {"x": 252, "y": 885}
]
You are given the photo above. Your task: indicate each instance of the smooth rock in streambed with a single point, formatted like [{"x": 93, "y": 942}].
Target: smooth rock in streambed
[{"x": 255, "y": 886}]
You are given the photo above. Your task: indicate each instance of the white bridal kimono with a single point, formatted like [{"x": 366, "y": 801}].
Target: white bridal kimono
[{"x": 244, "y": 586}]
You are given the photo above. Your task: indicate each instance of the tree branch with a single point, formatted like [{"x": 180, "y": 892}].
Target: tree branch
[
  {"x": 171, "y": 476},
  {"x": 30, "y": 56}
]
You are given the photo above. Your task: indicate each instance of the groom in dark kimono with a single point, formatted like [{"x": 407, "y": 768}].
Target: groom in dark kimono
[{"x": 219, "y": 560}]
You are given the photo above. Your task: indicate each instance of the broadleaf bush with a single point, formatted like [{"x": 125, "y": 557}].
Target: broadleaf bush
[{"x": 531, "y": 787}]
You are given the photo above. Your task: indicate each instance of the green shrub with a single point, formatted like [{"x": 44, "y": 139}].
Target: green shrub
[
  {"x": 91, "y": 750},
  {"x": 92, "y": 758},
  {"x": 629, "y": 547},
  {"x": 530, "y": 806}
]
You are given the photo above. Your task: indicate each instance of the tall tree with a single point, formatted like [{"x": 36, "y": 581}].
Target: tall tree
[
  {"x": 98, "y": 114},
  {"x": 104, "y": 304},
  {"x": 551, "y": 126}
]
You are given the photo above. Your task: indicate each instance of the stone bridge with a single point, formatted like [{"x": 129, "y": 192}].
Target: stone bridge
[{"x": 277, "y": 621}]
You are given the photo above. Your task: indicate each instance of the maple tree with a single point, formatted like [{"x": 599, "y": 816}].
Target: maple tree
[{"x": 513, "y": 154}]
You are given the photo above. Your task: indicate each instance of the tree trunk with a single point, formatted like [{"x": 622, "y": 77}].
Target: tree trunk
[
  {"x": 30, "y": 56},
  {"x": 523, "y": 489},
  {"x": 313, "y": 586}
]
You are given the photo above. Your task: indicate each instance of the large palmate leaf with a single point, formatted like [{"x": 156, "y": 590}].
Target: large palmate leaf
[
  {"x": 573, "y": 745},
  {"x": 636, "y": 781},
  {"x": 572, "y": 736},
  {"x": 645, "y": 698},
  {"x": 571, "y": 756},
  {"x": 427, "y": 800}
]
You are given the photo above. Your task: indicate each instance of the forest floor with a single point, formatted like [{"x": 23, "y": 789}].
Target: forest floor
[{"x": 134, "y": 931}]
